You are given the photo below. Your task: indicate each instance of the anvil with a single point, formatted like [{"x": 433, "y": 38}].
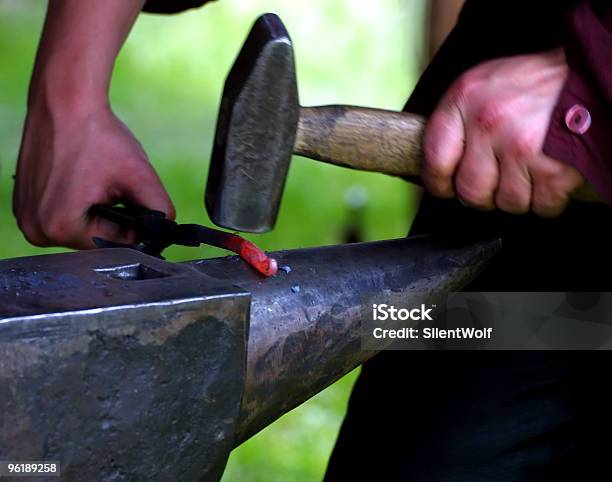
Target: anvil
[{"x": 122, "y": 366}]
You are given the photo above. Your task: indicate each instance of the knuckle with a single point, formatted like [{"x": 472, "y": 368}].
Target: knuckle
[
  {"x": 439, "y": 189},
  {"x": 486, "y": 174},
  {"x": 29, "y": 227},
  {"x": 438, "y": 185},
  {"x": 439, "y": 140},
  {"x": 572, "y": 182},
  {"x": 437, "y": 161},
  {"x": 511, "y": 192},
  {"x": 490, "y": 116},
  {"x": 546, "y": 173},
  {"x": 522, "y": 148},
  {"x": 466, "y": 85},
  {"x": 511, "y": 201},
  {"x": 556, "y": 178},
  {"x": 32, "y": 235},
  {"x": 549, "y": 205},
  {"x": 472, "y": 196},
  {"x": 436, "y": 165},
  {"x": 54, "y": 229}
]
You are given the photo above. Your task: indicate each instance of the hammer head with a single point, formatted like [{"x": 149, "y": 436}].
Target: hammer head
[{"x": 255, "y": 132}]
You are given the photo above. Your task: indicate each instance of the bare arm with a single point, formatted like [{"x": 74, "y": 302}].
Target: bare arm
[
  {"x": 442, "y": 18},
  {"x": 75, "y": 152}
]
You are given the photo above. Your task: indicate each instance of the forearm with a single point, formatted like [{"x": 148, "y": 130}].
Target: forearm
[
  {"x": 442, "y": 18},
  {"x": 77, "y": 51},
  {"x": 75, "y": 153}
]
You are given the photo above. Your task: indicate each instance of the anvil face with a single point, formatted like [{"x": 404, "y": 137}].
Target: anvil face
[{"x": 103, "y": 352}]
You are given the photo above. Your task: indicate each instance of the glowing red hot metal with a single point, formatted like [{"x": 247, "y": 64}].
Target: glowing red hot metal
[{"x": 251, "y": 254}]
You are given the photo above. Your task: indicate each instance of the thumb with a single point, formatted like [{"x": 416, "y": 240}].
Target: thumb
[
  {"x": 443, "y": 147},
  {"x": 146, "y": 190},
  {"x": 101, "y": 228}
]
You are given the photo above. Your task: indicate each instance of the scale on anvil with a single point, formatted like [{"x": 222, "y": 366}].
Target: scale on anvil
[{"x": 123, "y": 366}]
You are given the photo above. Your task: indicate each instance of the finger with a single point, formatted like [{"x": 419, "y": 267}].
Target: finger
[
  {"x": 443, "y": 146},
  {"x": 146, "y": 190},
  {"x": 26, "y": 217},
  {"x": 553, "y": 182},
  {"x": 104, "y": 229},
  {"x": 478, "y": 173},
  {"x": 515, "y": 185},
  {"x": 546, "y": 203},
  {"x": 31, "y": 230},
  {"x": 27, "y": 221},
  {"x": 62, "y": 231},
  {"x": 73, "y": 225}
]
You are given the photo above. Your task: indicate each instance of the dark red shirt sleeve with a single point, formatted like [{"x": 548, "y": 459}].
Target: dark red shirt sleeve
[
  {"x": 171, "y": 6},
  {"x": 580, "y": 132}
]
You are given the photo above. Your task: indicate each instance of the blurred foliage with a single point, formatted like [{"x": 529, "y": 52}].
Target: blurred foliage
[{"x": 166, "y": 87}]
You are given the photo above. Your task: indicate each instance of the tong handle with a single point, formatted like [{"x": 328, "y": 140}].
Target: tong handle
[
  {"x": 127, "y": 216},
  {"x": 152, "y": 227}
]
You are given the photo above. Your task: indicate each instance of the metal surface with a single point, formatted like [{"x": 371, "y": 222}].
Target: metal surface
[
  {"x": 305, "y": 324},
  {"x": 125, "y": 367},
  {"x": 255, "y": 132},
  {"x": 120, "y": 366}
]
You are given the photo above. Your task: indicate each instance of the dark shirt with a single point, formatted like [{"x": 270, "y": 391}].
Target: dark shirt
[
  {"x": 505, "y": 416},
  {"x": 588, "y": 46},
  {"x": 171, "y": 6}
]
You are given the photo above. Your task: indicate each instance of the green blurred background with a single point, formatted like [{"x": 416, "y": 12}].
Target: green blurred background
[{"x": 166, "y": 87}]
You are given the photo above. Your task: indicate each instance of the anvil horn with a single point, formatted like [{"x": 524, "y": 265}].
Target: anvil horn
[{"x": 124, "y": 367}]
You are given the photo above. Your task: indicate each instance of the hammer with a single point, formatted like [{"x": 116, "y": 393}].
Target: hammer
[{"x": 261, "y": 124}]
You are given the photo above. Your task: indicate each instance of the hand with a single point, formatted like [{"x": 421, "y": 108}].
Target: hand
[
  {"x": 75, "y": 153},
  {"x": 484, "y": 142},
  {"x": 70, "y": 161}
]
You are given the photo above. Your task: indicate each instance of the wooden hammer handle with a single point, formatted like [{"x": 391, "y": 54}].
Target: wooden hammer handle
[
  {"x": 361, "y": 138},
  {"x": 372, "y": 140}
]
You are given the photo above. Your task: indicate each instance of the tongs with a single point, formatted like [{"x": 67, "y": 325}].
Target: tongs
[{"x": 156, "y": 232}]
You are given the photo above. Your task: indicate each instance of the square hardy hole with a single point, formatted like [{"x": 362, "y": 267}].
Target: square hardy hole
[{"x": 131, "y": 272}]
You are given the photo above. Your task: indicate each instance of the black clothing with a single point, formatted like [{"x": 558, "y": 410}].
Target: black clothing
[{"x": 444, "y": 416}]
